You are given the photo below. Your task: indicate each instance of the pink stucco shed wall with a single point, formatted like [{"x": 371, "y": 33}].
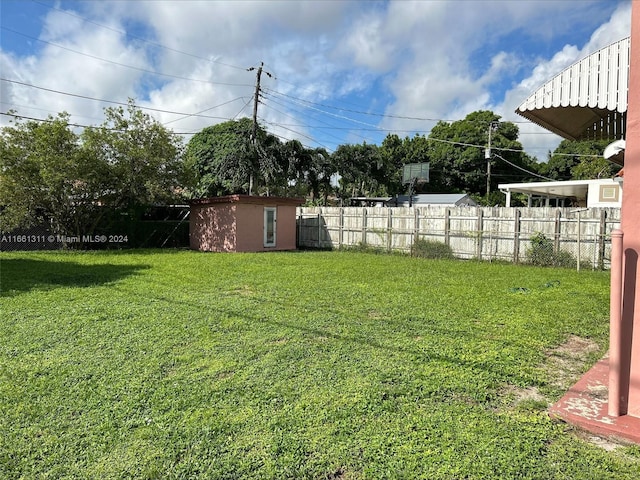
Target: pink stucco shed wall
[
  {"x": 235, "y": 223},
  {"x": 212, "y": 228}
]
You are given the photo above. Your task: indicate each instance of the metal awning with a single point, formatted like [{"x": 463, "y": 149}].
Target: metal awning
[
  {"x": 569, "y": 189},
  {"x": 588, "y": 100}
]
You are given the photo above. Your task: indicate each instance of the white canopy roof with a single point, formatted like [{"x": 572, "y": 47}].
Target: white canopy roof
[
  {"x": 586, "y": 100},
  {"x": 572, "y": 188}
]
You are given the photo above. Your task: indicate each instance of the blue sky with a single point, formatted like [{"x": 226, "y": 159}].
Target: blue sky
[{"x": 341, "y": 71}]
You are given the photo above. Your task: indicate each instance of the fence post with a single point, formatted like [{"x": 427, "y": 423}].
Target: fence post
[
  {"x": 319, "y": 227},
  {"x": 341, "y": 221},
  {"x": 389, "y": 227},
  {"x": 364, "y": 226},
  {"x": 416, "y": 220},
  {"x": 516, "y": 236},
  {"x": 556, "y": 232},
  {"x": 447, "y": 221},
  {"x": 601, "y": 237},
  {"x": 479, "y": 233}
]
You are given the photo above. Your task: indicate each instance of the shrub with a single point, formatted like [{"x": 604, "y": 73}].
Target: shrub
[
  {"x": 430, "y": 249},
  {"x": 361, "y": 247},
  {"x": 542, "y": 254}
]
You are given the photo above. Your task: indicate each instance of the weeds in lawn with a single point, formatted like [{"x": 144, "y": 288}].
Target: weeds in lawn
[
  {"x": 290, "y": 365},
  {"x": 431, "y": 249}
]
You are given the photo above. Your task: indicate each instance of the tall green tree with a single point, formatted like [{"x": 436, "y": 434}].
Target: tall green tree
[
  {"x": 144, "y": 158},
  {"x": 579, "y": 160},
  {"x": 227, "y": 161},
  {"x": 457, "y": 156},
  {"x": 362, "y": 170},
  {"x": 309, "y": 170},
  {"x": 47, "y": 177},
  {"x": 396, "y": 153},
  {"x": 48, "y": 173}
]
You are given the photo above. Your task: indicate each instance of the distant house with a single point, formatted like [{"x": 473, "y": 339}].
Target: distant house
[
  {"x": 368, "y": 201},
  {"x": 440, "y": 199},
  {"x": 604, "y": 192},
  {"x": 243, "y": 223}
]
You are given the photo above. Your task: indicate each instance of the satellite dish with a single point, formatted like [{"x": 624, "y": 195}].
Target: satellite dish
[{"x": 615, "y": 149}]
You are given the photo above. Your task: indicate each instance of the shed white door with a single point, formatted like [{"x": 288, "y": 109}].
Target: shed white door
[{"x": 270, "y": 226}]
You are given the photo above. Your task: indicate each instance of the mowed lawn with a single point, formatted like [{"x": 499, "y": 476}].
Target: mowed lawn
[{"x": 303, "y": 365}]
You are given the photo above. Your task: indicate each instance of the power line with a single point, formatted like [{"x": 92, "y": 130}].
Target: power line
[
  {"x": 77, "y": 125},
  {"x": 144, "y": 70},
  {"x": 342, "y": 109},
  {"x": 520, "y": 168},
  {"x": 109, "y": 101},
  {"x": 268, "y": 105},
  {"x": 155, "y": 44},
  {"x": 298, "y": 133},
  {"x": 50, "y": 112},
  {"x": 242, "y": 109},
  {"x": 198, "y": 114},
  {"x": 225, "y": 118}
]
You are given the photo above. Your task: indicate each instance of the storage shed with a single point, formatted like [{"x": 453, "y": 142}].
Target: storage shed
[{"x": 243, "y": 223}]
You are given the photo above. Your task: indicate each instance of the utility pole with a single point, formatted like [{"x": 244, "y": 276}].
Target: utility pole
[
  {"x": 487, "y": 156},
  {"x": 256, "y": 99}
]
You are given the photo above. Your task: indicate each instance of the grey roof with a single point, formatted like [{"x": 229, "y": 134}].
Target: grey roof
[{"x": 454, "y": 199}]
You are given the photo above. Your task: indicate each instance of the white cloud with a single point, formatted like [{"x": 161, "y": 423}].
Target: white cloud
[
  {"x": 428, "y": 59},
  {"x": 537, "y": 141}
]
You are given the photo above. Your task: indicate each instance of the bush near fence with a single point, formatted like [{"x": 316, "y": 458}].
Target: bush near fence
[
  {"x": 485, "y": 233},
  {"x": 144, "y": 227}
]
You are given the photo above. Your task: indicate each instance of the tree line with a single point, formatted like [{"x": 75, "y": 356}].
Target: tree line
[{"x": 50, "y": 173}]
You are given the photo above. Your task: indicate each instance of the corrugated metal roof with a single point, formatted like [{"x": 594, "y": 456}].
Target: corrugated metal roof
[
  {"x": 587, "y": 99},
  {"x": 457, "y": 199},
  {"x": 571, "y": 188}
]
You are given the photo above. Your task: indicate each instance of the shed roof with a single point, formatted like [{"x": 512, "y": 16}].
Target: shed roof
[
  {"x": 587, "y": 99},
  {"x": 252, "y": 199}
]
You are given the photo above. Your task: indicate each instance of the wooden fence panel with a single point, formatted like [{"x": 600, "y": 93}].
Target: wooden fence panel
[{"x": 487, "y": 233}]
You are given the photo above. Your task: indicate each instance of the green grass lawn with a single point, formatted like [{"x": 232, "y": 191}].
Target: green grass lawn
[{"x": 308, "y": 365}]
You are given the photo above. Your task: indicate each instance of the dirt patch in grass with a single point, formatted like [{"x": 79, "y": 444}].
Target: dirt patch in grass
[
  {"x": 521, "y": 395},
  {"x": 605, "y": 443},
  {"x": 564, "y": 365},
  {"x": 337, "y": 475},
  {"x": 567, "y": 362}
]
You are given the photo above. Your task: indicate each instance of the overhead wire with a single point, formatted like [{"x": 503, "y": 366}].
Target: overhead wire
[
  {"x": 86, "y": 97},
  {"x": 74, "y": 124},
  {"x": 199, "y": 114},
  {"x": 300, "y": 102},
  {"x": 289, "y": 115},
  {"x": 132, "y": 67},
  {"x": 242, "y": 109},
  {"x": 521, "y": 168}
]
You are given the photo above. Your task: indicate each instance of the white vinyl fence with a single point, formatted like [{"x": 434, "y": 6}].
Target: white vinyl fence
[{"x": 485, "y": 233}]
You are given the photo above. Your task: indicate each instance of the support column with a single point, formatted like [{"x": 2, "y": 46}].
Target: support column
[
  {"x": 617, "y": 394},
  {"x": 630, "y": 222}
]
